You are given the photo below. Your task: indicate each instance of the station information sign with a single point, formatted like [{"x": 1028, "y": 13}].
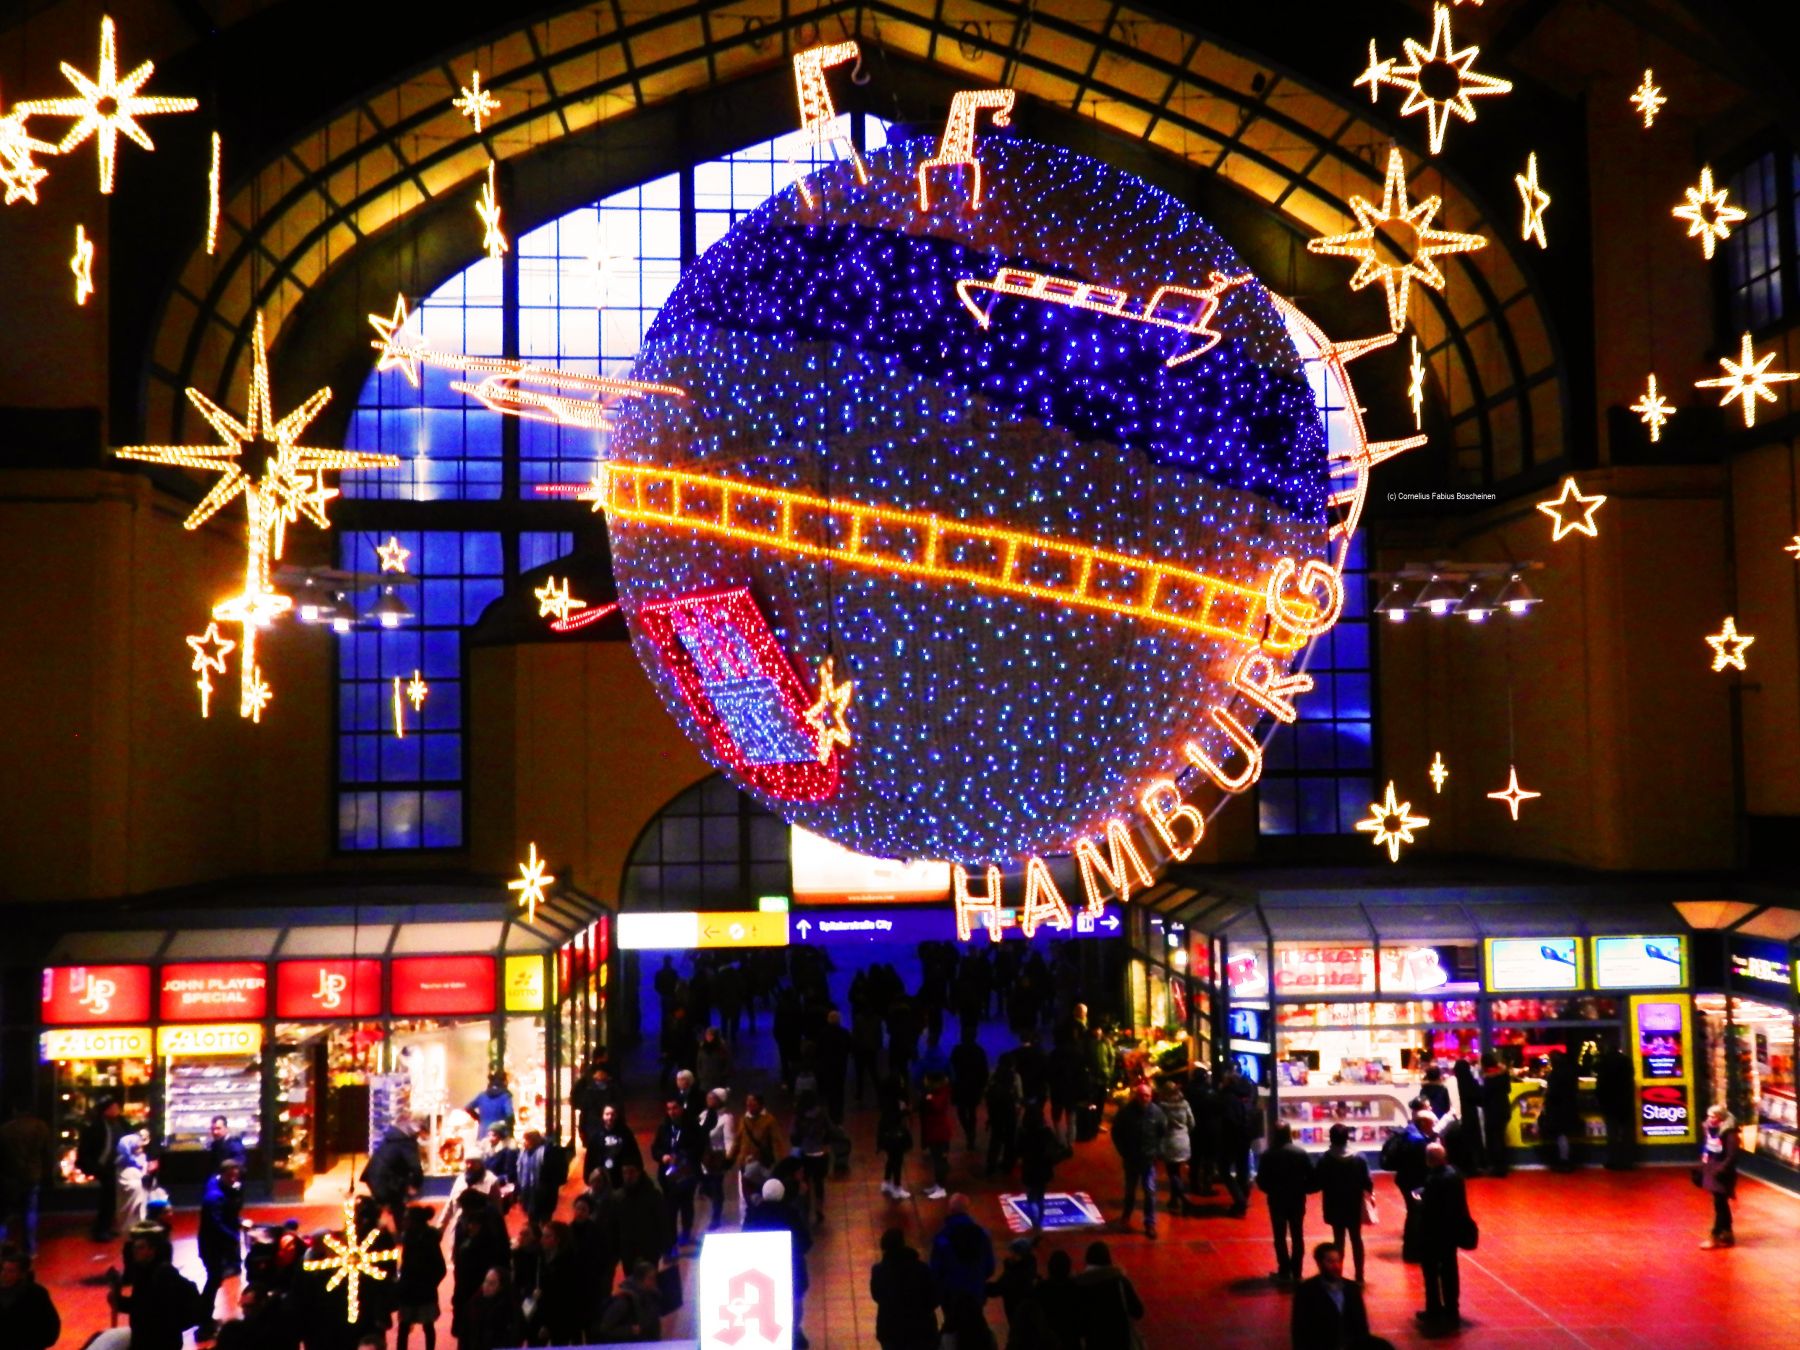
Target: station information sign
[{"x": 1526, "y": 964}]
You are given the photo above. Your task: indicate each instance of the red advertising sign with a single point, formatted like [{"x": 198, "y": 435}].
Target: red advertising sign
[
  {"x": 84, "y": 995},
  {"x": 425, "y": 986},
  {"x": 215, "y": 991},
  {"x": 346, "y": 988}
]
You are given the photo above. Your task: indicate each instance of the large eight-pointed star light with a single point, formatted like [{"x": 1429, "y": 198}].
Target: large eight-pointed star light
[
  {"x": 530, "y": 885},
  {"x": 351, "y": 1261},
  {"x": 1439, "y": 80},
  {"x": 1707, "y": 212},
  {"x": 1748, "y": 378},
  {"x": 291, "y": 484},
  {"x": 1370, "y": 238},
  {"x": 1392, "y": 823},
  {"x": 106, "y": 105}
]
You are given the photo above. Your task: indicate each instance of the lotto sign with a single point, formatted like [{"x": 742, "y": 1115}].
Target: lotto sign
[
  {"x": 95, "y": 1043},
  {"x": 228, "y": 1038},
  {"x": 328, "y": 988},
  {"x": 746, "y": 1298},
  {"x": 81, "y": 995}
]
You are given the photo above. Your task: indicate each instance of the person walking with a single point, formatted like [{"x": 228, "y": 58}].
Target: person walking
[
  {"x": 758, "y": 1135},
  {"x": 492, "y": 1106},
  {"x": 1473, "y": 1135},
  {"x": 221, "y": 1239},
  {"x": 393, "y": 1174},
  {"x": 1559, "y": 1125},
  {"x": 1109, "y": 1303},
  {"x": 831, "y": 1056},
  {"x": 616, "y": 1147},
  {"x": 1067, "y": 1072},
  {"x": 1005, "y": 1090},
  {"x": 773, "y": 1214},
  {"x": 537, "y": 1198},
  {"x": 1404, "y": 1155},
  {"x": 222, "y": 1146},
  {"x": 893, "y": 1135},
  {"x": 137, "y": 1175},
  {"x": 1039, "y": 1152},
  {"x": 677, "y": 1148},
  {"x": 27, "y": 1164},
  {"x": 1718, "y": 1173},
  {"x": 712, "y": 1062},
  {"x": 28, "y": 1316},
  {"x": 1203, "y": 1101},
  {"x": 937, "y": 1127},
  {"x": 634, "y": 1314},
  {"x": 969, "y": 1081},
  {"x": 905, "y": 1295},
  {"x": 489, "y": 1319},
  {"x": 1178, "y": 1148},
  {"x": 561, "y": 1304},
  {"x": 1285, "y": 1176},
  {"x": 1345, "y": 1190},
  {"x": 718, "y": 1127},
  {"x": 646, "y": 1230},
  {"x": 1444, "y": 1228},
  {"x": 1328, "y": 1310},
  {"x": 422, "y": 1271},
  {"x": 1616, "y": 1094},
  {"x": 962, "y": 1259},
  {"x": 162, "y": 1303},
  {"x": 1139, "y": 1129},
  {"x": 1496, "y": 1112},
  {"x": 97, "y": 1156},
  {"x": 590, "y": 1100},
  {"x": 1240, "y": 1126},
  {"x": 810, "y": 1136}
]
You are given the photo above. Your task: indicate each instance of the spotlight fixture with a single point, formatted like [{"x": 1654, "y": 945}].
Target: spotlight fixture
[
  {"x": 1438, "y": 597},
  {"x": 1516, "y": 597},
  {"x": 390, "y": 611},
  {"x": 1472, "y": 590},
  {"x": 1472, "y": 606},
  {"x": 1397, "y": 602}
]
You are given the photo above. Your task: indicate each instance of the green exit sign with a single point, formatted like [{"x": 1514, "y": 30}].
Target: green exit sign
[{"x": 772, "y": 904}]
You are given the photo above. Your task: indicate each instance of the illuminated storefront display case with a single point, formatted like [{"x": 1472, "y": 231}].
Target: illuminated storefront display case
[{"x": 1748, "y": 1047}]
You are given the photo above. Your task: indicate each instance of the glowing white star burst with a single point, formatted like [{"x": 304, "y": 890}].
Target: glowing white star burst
[
  {"x": 352, "y": 1260},
  {"x": 1748, "y": 378},
  {"x": 1648, "y": 99},
  {"x": 493, "y": 239},
  {"x": 530, "y": 885},
  {"x": 1439, "y": 80},
  {"x": 1392, "y": 823},
  {"x": 1653, "y": 409},
  {"x": 475, "y": 103},
  {"x": 1708, "y": 213},
  {"x": 18, "y": 174}
]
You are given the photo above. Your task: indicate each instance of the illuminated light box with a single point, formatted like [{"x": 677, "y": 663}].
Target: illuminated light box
[
  {"x": 84, "y": 995},
  {"x": 830, "y": 874},
  {"x": 746, "y": 1294},
  {"x": 214, "y": 991},
  {"x": 1062, "y": 1210},
  {"x": 430, "y": 985},
  {"x": 346, "y": 988},
  {"x": 94, "y": 1043},
  {"x": 1640, "y": 962},
  {"x": 1533, "y": 964},
  {"x": 686, "y": 930},
  {"x": 229, "y": 1038}
]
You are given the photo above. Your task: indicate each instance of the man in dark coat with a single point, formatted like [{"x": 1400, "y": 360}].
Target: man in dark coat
[
  {"x": 162, "y": 1303},
  {"x": 1613, "y": 1088},
  {"x": 1444, "y": 1227},
  {"x": 968, "y": 1082},
  {"x": 642, "y": 1219},
  {"x": 1404, "y": 1155},
  {"x": 590, "y": 1100},
  {"x": 222, "y": 1146},
  {"x": 1496, "y": 1111},
  {"x": 1471, "y": 1137},
  {"x": 962, "y": 1259},
  {"x": 905, "y": 1295},
  {"x": 32, "y": 1322},
  {"x": 1139, "y": 1128},
  {"x": 831, "y": 1056},
  {"x": 1240, "y": 1125},
  {"x": 97, "y": 1156},
  {"x": 1560, "y": 1133},
  {"x": 1328, "y": 1309},
  {"x": 1286, "y": 1176},
  {"x": 221, "y": 1234},
  {"x": 775, "y": 1214},
  {"x": 677, "y": 1149},
  {"x": 394, "y": 1175}
]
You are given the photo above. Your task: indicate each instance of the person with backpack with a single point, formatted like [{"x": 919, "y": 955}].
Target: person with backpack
[
  {"x": 1404, "y": 1155},
  {"x": 1240, "y": 1126}
]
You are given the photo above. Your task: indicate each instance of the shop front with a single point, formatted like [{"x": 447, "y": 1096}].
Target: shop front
[
  {"x": 1748, "y": 1034},
  {"x": 1169, "y": 995}
]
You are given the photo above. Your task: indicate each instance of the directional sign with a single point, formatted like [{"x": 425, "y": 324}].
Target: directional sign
[
  {"x": 913, "y": 924},
  {"x": 686, "y": 930},
  {"x": 743, "y": 929}
]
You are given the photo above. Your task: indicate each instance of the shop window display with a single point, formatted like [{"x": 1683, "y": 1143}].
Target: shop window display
[
  {"x": 78, "y": 1085},
  {"x": 1529, "y": 1032},
  {"x": 1754, "y": 1055}
]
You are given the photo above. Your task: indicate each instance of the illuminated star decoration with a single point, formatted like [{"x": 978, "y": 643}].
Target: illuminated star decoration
[
  {"x": 1653, "y": 409},
  {"x": 17, "y": 172},
  {"x": 488, "y": 208},
  {"x": 352, "y": 1260},
  {"x": 210, "y": 650},
  {"x": 476, "y": 103},
  {"x": 827, "y": 716},
  {"x": 1534, "y": 199},
  {"x": 1436, "y": 66},
  {"x": 531, "y": 883},
  {"x": 290, "y": 484},
  {"x": 1648, "y": 100},
  {"x": 1440, "y": 771},
  {"x": 395, "y": 354},
  {"x": 106, "y": 105},
  {"x": 399, "y": 716},
  {"x": 1571, "y": 511},
  {"x": 1729, "y": 645},
  {"x": 416, "y": 689},
  {"x": 1707, "y": 213},
  {"x": 212, "y": 197},
  {"x": 1364, "y": 243},
  {"x": 1415, "y": 387},
  {"x": 393, "y": 555},
  {"x": 1392, "y": 823},
  {"x": 1513, "y": 794},
  {"x": 81, "y": 263},
  {"x": 1748, "y": 378},
  {"x": 554, "y": 600},
  {"x": 1793, "y": 548},
  {"x": 1376, "y": 74}
]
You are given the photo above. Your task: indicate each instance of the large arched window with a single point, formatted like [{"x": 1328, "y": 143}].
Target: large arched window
[{"x": 712, "y": 847}]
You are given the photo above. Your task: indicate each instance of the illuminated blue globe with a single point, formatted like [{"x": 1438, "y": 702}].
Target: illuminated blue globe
[{"x": 962, "y": 495}]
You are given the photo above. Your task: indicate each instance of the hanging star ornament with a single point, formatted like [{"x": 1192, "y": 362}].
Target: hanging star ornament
[
  {"x": 1534, "y": 199},
  {"x": 1512, "y": 794},
  {"x": 1748, "y": 378},
  {"x": 1648, "y": 99},
  {"x": 352, "y": 1260},
  {"x": 1375, "y": 74},
  {"x": 210, "y": 650},
  {"x": 81, "y": 263},
  {"x": 1572, "y": 512},
  {"x": 1415, "y": 387},
  {"x": 18, "y": 174},
  {"x": 1708, "y": 214},
  {"x": 290, "y": 484},
  {"x": 416, "y": 689},
  {"x": 1729, "y": 646},
  {"x": 1392, "y": 823},
  {"x": 488, "y": 208},
  {"x": 531, "y": 883},
  {"x": 1793, "y": 548},
  {"x": 1653, "y": 409},
  {"x": 1366, "y": 242},
  {"x": 1440, "y": 771},
  {"x": 106, "y": 106},
  {"x": 395, "y": 354},
  {"x": 1439, "y": 80},
  {"x": 475, "y": 103},
  {"x": 393, "y": 555},
  {"x": 555, "y": 602},
  {"x": 827, "y": 717}
]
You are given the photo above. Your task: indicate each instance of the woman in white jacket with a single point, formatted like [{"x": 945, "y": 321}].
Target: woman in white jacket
[
  {"x": 721, "y": 1142},
  {"x": 1178, "y": 1142}
]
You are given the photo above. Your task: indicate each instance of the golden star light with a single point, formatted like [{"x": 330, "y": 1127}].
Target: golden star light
[
  {"x": 1512, "y": 794},
  {"x": 493, "y": 239},
  {"x": 106, "y": 105},
  {"x": 18, "y": 174},
  {"x": 1653, "y": 409},
  {"x": 212, "y": 197},
  {"x": 1375, "y": 74},
  {"x": 1441, "y": 67},
  {"x": 352, "y": 1261},
  {"x": 827, "y": 716},
  {"x": 393, "y": 555},
  {"x": 1365, "y": 242},
  {"x": 416, "y": 689},
  {"x": 1440, "y": 771},
  {"x": 554, "y": 600},
  {"x": 210, "y": 650},
  {"x": 1392, "y": 823},
  {"x": 1793, "y": 548},
  {"x": 81, "y": 263},
  {"x": 395, "y": 354},
  {"x": 1748, "y": 378},
  {"x": 399, "y": 714},
  {"x": 1415, "y": 387},
  {"x": 1648, "y": 99},
  {"x": 531, "y": 883},
  {"x": 475, "y": 103},
  {"x": 1707, "y": 212},
  {"x": 1572, "y": 512},
  {"x": 1534, "y": 200},
  {"x": 1729, "y": 645}
]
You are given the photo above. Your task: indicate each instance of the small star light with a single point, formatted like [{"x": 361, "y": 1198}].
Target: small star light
[
  {"x": 1392, "y": 823},
  {"x": 1365, "y": 243},
  {"x": 1375, "y": 74},
  {"x": 1707, "y": 213},
  {"x": 106, "y": 105},
  {"x": 351, "y": 1260},
  {"x": 393, "y": 555},
  {"x": 1793, "y": 548},
  {"x": 827, "y": 716},
  {"x": 1513, "y": 794},
  {"x": 1440, "y": 771},
  {"x": 399, "y": 716},
  {"x": 1572, "y": 512},
  {"x": 1535, "y": 199},
  {"x": 531, "y": 883},
  {"x": 1748, "y": 379},
  {"x": 1729, "y": 646},
  {"x": 210, "y": 650},
  {"x": 17, "y": 172},
  {"x": 554, "y": 600},
  {"x": 488, "y": 208},
  {"x": 1415, "y": 387},
  {"x": 1648, "y": 99},
  {"x": 476, "y": 103},
  {"x": 212, "y": 197},
  {"x": 82, "y": 265},
  {"x": 395, "y": 355},
  {"x": 416, "y": 689},
  {"x": 1653, "y": 409},
  {"x": 1440, "y": 67}
]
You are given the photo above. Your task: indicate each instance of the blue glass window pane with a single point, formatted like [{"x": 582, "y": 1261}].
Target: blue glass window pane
[
  {"x": 1315, "y": 706},
  {"x": 1354, "y": 748},
  {"x": 1316, "y": 805},
  {"x": 443, "y": 709},
  {"x": 443, "y": 655},
  {"x": 482, "y": 555},
  {"x": 1279, "y": 752},
  {"x": 400, "y": 755},
  {"x": 1353, "y": 695},
  {"x": 1275, "y": 806},
  {"x": 1355, "y": 796},
  {"x": 477, "y": 596},
  {"x": 1350, "y": 643},
  {"x": 443, "y": 758},
  {"x": 1316, "y": 745},
  {"x": 399, "y": 820}
]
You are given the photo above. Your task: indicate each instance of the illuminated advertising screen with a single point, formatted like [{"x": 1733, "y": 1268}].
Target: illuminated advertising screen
[
  {"x": 214, "y": 991},
  {"x": 1640, "y": 963},
  {"x": 85, "y": 995},
  {"x": 1660, "y": 1036},
  {"x": 1760, "y": 966},
  {"x": 1659, "y": 1040},
  {"x": 1533, "y": 963},
  {"x": 426, "y": 986},
  {"x": 1245, "y": 973},
  {"x": 1323, "y": 968},
  {"x": 829, "y": 874}
]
